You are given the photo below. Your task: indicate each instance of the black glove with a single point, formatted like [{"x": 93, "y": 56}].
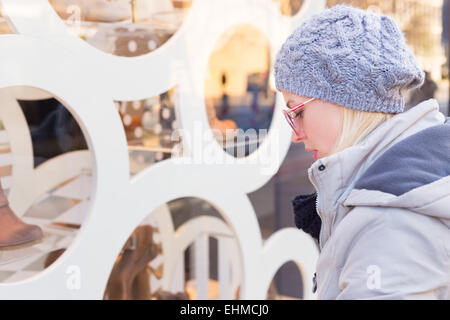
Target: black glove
[{"x": 306, "y": 217}]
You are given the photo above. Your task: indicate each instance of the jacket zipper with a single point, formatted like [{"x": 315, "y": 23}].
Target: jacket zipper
[{"x": 313, "y": 181}]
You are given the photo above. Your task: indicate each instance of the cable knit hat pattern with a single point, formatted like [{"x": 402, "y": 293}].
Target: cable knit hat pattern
[{"x": 351, "y": 57}]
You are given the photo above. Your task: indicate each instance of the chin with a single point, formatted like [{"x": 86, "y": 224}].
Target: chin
[{"x": 321, "y": 155}]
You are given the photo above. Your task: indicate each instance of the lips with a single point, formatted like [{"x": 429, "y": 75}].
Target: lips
[{"x": 315, "y": 155}]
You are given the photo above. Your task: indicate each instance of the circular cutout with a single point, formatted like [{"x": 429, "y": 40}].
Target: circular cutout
[
  {"x": 289, "y": 277},
  {"x": 238, "y": 98},
  {"x": 158, "y": 260},
  {"x": 138, "y": 269},
  {"x": 37, "y": 132},
  {"x": 127, "y": 28}
]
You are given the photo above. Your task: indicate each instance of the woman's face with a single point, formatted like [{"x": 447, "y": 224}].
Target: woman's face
[{"x": 320, "y": 124}]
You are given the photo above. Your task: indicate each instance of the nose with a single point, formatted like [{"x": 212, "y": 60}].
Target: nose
[{"x": 296, "y": 138}]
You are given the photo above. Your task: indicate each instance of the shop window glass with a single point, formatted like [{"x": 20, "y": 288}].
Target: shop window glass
[
  {"x": 238, "y": 96},
  {"x": 149, "y": 126},
  {"x": 139, "y": 270},
  {"x": 126, "y": 28},
  {"x": 36, "y": 131}
]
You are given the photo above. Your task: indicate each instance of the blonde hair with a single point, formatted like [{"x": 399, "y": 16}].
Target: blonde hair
[{"x": 356, "y": 125}]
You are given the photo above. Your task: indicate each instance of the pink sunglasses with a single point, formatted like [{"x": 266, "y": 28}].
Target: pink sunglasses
[{"x": 291, "y": 113}]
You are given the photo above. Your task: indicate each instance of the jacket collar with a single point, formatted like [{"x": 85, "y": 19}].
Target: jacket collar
[
  {"x": 426, "y": 154},
  {"x": 335, "y": 176}
]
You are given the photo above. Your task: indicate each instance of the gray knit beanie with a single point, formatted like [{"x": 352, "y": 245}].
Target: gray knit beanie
[{"x": 351, "y": 57}]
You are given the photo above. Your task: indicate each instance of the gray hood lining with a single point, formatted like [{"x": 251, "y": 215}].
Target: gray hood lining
[{"x": 417, "y": 160}]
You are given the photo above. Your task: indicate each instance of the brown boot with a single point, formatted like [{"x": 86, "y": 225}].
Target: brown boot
[
  {"x": 136, "y": 254},
  {"x": 13, "y": 231}
]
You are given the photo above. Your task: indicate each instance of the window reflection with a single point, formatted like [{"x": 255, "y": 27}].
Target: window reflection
[
  {"x": 139, "y": 273},
  {"x": 149, "y": 126},
  {"x": 36, "y": 129},
  {"x": 238, "y": 96},
  {"x": 53, "y": 129}
]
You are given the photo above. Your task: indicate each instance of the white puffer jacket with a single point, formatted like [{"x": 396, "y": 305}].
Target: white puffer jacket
[{"x": 385, "y": 211}]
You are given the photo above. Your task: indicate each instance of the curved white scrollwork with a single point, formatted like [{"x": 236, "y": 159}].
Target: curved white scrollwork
[{"x": 46, "y": 55}]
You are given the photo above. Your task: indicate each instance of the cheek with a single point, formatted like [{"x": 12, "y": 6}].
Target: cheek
[
  {"x": 334, "y": 129},
  {"x": 323, "y": 131}
]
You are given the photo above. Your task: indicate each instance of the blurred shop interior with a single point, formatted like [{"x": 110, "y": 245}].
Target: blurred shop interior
[{"x": 238, "y": 95}]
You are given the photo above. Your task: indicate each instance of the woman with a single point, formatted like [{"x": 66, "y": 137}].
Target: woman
[{"x": 381, "y": 211}]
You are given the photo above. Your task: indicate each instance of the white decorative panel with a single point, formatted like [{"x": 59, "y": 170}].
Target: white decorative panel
[{"x": 45, "y": 54}]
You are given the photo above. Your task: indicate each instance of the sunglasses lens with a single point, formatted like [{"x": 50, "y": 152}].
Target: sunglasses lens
[{"x": 291, "y": 122}]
